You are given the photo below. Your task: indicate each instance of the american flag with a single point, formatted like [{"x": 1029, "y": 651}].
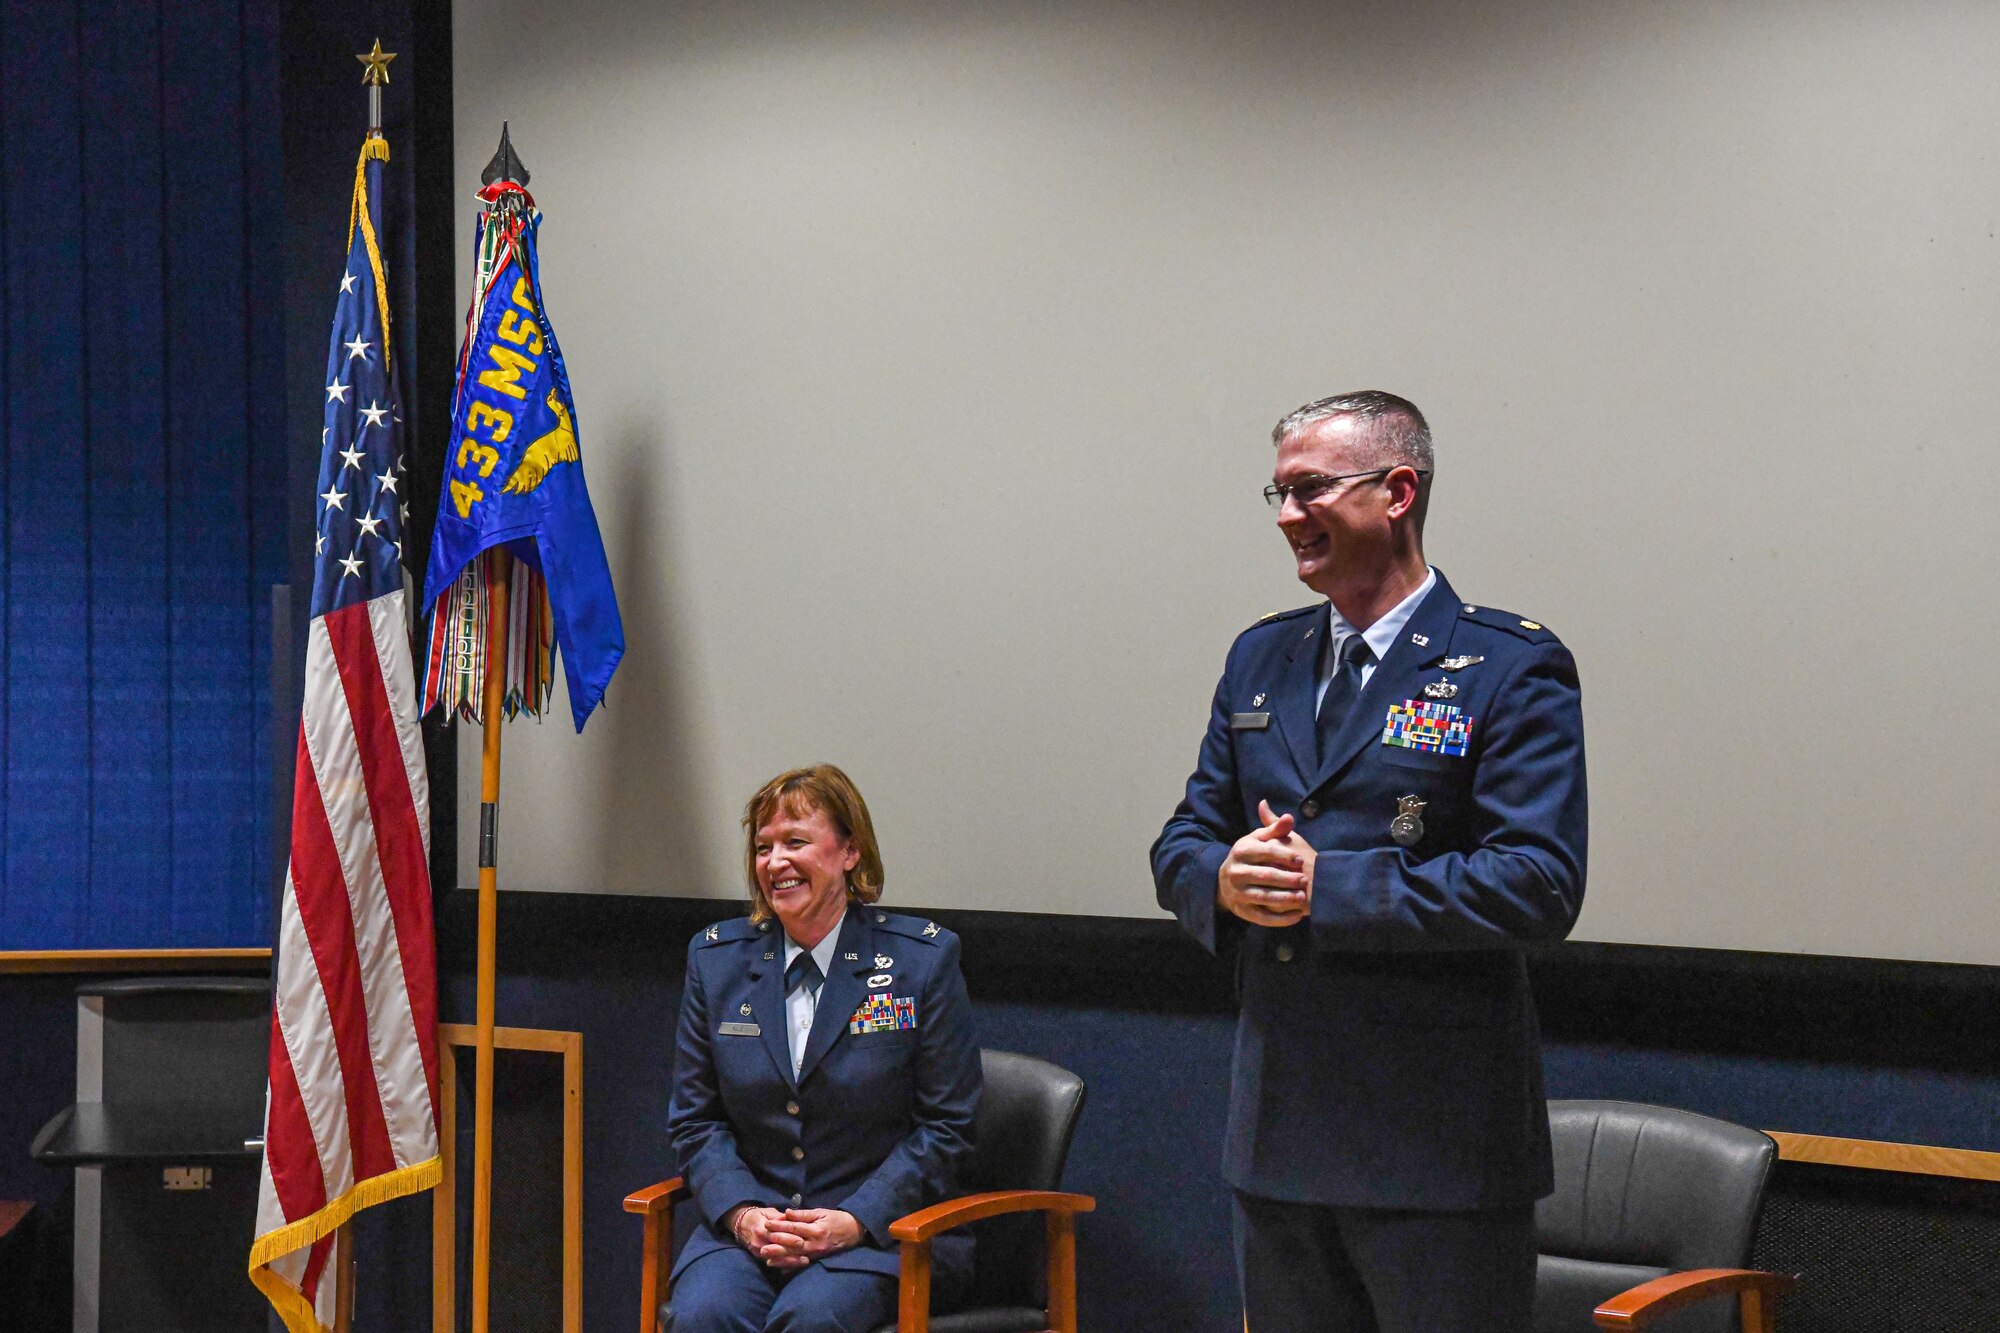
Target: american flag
[{"x": 349, "y": 1119}]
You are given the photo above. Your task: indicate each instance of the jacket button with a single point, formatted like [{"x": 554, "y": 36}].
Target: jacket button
[
  {"x": 1284, "y": 953},
  {"x": 791, "y": 1108},
  {"x": 798, "y": 1199},
  {"x": 798, "y": 1154},
  {"x": 1310, "y": 809}
]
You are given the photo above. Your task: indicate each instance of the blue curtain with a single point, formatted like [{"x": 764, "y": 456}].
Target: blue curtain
[{"x": 142, "y": 470}]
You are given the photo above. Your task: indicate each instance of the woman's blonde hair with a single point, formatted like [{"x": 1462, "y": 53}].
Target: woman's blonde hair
[{"x": 797, "y": 793}]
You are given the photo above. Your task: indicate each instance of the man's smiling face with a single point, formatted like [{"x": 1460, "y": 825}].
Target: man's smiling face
[{"x": 1348, "y": 521}]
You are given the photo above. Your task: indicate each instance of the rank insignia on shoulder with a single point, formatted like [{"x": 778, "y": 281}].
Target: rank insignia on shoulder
[
  {"x": 1529, "y": 624},
  {"x": 715, "y": 931},
  {"x": 932, "y": 929},
  {"x": 1459, "y": 663}
]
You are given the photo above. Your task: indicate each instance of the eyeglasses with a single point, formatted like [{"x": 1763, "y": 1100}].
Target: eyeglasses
[{"x": 1307, "y": 489}]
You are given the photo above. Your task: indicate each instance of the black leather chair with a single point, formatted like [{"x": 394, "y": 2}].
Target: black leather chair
[
  {"x": 1653, "y": 1212},
  {"x": 1024, "y": 1278}
]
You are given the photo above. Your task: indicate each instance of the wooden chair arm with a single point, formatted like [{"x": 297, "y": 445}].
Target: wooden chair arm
[
  {"x": 926, "y": 1223},
  {"x": 1650, "y": 1300},
  {"x": 656, "y": 1204},
  {"x": 657, "y": 1198},
  {"x": 915, "y": 1230}
]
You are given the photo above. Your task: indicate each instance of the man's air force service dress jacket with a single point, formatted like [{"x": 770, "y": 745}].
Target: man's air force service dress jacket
[
  {"x": 1387, "y": 1054},
  {"x": 880, "y": 1115}
]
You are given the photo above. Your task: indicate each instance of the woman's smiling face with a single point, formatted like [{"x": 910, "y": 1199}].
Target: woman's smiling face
[{"x": 802, "y": 864}]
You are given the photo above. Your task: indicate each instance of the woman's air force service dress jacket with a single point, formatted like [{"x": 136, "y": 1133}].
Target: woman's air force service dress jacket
[{"x": 880, "y": 1115}]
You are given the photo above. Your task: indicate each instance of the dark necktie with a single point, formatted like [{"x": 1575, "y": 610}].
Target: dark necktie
[
  {"x": 803, "y": 971},
  {"x": 1342, "y": 690}
]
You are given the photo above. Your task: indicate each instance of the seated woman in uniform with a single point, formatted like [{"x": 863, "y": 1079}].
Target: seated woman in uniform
[{"x": 825, "y": 1077}]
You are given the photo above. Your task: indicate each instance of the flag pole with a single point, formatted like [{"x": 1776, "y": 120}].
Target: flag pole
[
  {"x": 375, "y": 73},
  {"x": 497, "y": 572}
]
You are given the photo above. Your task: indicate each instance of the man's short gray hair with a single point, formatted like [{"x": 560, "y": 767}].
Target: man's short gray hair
[{"x": 1396, "y": 428}]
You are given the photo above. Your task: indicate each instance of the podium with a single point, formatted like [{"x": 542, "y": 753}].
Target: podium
[{"x": 164, "y": 1138}]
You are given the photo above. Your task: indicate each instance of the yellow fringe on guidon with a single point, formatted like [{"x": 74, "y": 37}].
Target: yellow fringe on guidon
[{"x": 291, "y": 1303}]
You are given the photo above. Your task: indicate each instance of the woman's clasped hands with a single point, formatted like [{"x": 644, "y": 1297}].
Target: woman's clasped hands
[{"x": 791, "y": 1238}]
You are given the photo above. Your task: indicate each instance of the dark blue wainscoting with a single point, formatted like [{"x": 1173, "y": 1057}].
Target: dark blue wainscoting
[
  {"x": 1835, "y": 1046},
  {"x": 1860, "y": 1049}
]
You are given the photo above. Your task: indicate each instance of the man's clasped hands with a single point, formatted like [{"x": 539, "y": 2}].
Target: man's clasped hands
[{"x": 1267, "y": 877}]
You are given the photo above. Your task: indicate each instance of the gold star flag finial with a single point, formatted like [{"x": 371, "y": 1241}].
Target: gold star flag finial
[{"x": 378, "y": 64}]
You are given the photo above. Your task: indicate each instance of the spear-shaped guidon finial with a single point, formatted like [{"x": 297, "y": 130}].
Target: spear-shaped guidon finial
[{"x": 505, "y": 166}]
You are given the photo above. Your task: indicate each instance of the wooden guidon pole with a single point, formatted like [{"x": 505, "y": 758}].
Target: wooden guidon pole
[{"x": 498, "y": 567}]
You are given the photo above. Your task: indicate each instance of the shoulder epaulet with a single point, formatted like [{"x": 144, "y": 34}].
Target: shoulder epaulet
[
  {"x": 1519, "y": 626},
  {"x": 910, "y": 927},
  {"x": 1288, "y": 615},
  {"x": 723, "y": 932}
]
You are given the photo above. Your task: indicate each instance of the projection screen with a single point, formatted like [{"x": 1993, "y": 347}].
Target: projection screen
[{"x": 925, "y": 359}]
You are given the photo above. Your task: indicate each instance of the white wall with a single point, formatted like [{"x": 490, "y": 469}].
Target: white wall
[{"x": 925, "y": 355}]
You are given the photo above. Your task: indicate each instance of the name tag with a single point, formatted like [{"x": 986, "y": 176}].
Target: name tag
[
  {"x": 1249, "y": 721},
  {"x": 741, "y": 1030}
]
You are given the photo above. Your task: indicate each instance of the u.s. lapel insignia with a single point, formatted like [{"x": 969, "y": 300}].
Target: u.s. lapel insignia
[
  {"x": 932, "y": 929},
  {"x": 769, "y": 956},
  {"x": 1408, "y": 825},
  {"x": 1257, "y": 702},
  {"x": 882, "y": 960},
  {"x": 715, "y": 931},
  {"x": 745, "y": 1011},
  {"x": 1421, "y": 640},
  {"x": 852, "y": 957},
  {"x": 1440, "y": 689},
  {"x": 1459, "y": 663}
]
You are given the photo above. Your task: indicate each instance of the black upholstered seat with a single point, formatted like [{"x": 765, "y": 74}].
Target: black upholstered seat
[
  {"x": 1028, "y": 1111},
  {"x": 1642, "y": 1192}
]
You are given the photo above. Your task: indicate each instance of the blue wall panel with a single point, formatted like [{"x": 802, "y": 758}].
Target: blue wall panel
[{"x": 141, "y": 266}]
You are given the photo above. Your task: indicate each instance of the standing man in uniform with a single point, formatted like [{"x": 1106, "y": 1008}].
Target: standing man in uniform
[{"x": 1387, "y": 809}]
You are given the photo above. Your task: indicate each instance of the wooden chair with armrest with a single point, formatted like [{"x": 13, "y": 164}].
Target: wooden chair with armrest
[
  {"x": 1652, "y": 1216},
  {"x": 1024, "y": 1278}
]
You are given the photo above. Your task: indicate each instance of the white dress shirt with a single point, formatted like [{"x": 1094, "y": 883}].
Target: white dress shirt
[
  {"x": 1381, "y": 636},
  {"x": 803, "y": 1004}
]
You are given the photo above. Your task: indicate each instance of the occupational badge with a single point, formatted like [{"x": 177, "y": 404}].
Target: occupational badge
[
  {"x": 1408, "y": 825},
  {"x": 884, "y": 960},
  {"x": 879, "y": 979},
  {"x": 1440, "y": 689},
  {"x": 1459, "y": 663}
]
